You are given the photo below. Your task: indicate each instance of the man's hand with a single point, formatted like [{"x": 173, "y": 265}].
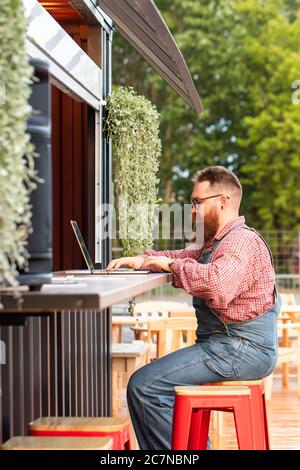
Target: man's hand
[
  {"x": 134, "y": 262},
  {"x": 161, "y": 262}
]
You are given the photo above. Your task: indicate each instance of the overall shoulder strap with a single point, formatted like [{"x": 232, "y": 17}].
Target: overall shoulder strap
[{"x": 265, "y": 242}]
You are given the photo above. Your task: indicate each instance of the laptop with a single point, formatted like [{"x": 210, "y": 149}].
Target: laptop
[{"x": 89, "y": 262}]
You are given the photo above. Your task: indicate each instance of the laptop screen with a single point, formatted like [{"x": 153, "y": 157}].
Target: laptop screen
[{"x": 82, "y": 245}]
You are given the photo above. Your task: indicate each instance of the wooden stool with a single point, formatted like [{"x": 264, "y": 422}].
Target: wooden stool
[
  {"x": 258, "y": 408},
  {"x": 126, "y": 359},
  {"x": 192, "y": 411},
  {"x": 57, "y": 443},
  {"x": 117, "y": 428}
]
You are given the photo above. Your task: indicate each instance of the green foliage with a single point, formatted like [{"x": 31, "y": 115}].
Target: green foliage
[
  {"x": 133, "y": 125},
  {"x": 243, "y": 56},
  {"x": 16, "y": 153}
]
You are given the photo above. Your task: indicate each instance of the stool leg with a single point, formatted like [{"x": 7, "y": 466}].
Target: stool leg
[
  {"x": 195, "y": 429},
  {"x": 258, "y": 418},
  {"x": 266, "y": 426},
  {"x": 202, "y": 445},
  {"x": 181, "y": 423},
  {"x": 243, "y": 424}
]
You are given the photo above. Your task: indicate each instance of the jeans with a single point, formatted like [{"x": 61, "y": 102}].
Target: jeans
[{"x": 150, "y": 391}]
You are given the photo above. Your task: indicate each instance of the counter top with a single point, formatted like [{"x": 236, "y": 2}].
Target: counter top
[{"x": 80, "y": 291}]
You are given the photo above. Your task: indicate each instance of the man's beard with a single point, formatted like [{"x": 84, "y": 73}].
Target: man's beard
[
  {"x": 210, "y": 229},
  {"x": 205, "y": 230}
]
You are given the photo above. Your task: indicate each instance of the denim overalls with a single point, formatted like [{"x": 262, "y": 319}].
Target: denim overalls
[
  {"x": 223, "y": 351},
  {"x": 241, "y": 350}
]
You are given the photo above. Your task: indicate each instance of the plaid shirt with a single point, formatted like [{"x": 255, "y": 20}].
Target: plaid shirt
[{"x": 237, "y": 283}]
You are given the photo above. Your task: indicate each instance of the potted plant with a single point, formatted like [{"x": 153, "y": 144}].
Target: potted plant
[{"x": 133, "y": 125}]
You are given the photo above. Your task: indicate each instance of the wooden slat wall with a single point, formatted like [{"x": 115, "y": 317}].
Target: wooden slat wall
[
  {"x": 55, "y": 366},
  {"x": 70, "y": 178},
  {"x": 73, "y": 161}
]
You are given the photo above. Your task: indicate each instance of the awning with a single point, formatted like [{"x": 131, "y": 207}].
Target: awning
[
  {"x": 141, "y": 23},
  {"x": 68, "y": 63}
]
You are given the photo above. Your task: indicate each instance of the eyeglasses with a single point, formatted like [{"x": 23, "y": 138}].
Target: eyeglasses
[{"x": 197, "y": 201}]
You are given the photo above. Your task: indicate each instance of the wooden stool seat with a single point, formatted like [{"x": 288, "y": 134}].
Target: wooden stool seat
[
  {"x": 117, "y": 428},
  {"x": 75, "y": 424},
  {"x": 57, "y": 443},
  {"x": 241, "y": 383},
  {"x": 211, "y": 391}
]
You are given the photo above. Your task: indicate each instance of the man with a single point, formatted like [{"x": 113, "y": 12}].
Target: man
[{"x": 232, "y": 281}]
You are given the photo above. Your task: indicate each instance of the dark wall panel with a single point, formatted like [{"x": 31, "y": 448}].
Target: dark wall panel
[{"x": 55, "y": 366}]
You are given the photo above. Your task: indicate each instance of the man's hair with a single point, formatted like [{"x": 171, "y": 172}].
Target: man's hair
[{"x": 219, "y": 177}]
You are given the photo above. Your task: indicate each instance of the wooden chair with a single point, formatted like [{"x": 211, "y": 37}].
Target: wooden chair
[
  {"x": 286, "y": 316},
  {"x": 155, "y": 310},
  {"x": 188, "y": 336},
  {"x": 288, "y": 355},
  {"x": 289, "y": 299},
  {"x": 189, "y": 313},
  {"x": 118, "y": 322},
  {"x": 177, "y": 326}
]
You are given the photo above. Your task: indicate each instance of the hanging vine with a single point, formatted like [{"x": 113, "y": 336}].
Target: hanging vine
[
  {"x": 133, "y": 125},
  {"x": 17, "y": 172}
]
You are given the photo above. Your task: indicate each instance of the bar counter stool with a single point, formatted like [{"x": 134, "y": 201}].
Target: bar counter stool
[
  {"x": 258, "y": 408},
  {"x": 193, "y": 406},
  {"x": 57, "y": 443},
  {"x": 117, "y": 428}
]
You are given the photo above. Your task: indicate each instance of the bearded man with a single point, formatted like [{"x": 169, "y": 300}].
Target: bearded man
[{"x": 232, "y": 281}]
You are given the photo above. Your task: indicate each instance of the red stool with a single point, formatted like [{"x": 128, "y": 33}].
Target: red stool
[
  {"x": 193, "y": 406},
  {"x": 118, "y": 428},
  {"x": 258, "y": 408}
]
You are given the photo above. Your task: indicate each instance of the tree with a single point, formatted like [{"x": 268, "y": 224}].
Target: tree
[{"x": 243, "y": 56}]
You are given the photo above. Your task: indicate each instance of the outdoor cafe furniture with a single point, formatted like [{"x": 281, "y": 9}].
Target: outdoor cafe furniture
[
  {"x": 192, "y": 410},
  {"x": 177, "y": 327},
  {"x": 59, "y": 347},
  {"x": 117, "y": 428},
  {"x": 57, "y": 443},
  {"x": 258, "y": 389},
  {"x": 290, "y": 354},
  {"x": 126, "y": 359}
]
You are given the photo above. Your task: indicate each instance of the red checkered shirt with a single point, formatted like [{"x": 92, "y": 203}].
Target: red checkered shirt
[{"x": 237, "y": 283}]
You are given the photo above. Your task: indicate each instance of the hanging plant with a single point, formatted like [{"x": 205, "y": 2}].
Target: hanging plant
[
  {"x": 17, "y": 172},
  {"x": 133, "y": 125}
]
